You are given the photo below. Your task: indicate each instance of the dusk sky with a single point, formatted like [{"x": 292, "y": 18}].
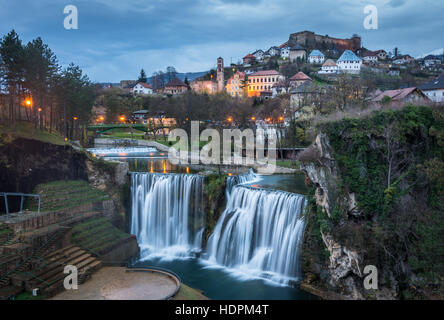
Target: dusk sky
[{"x": 117, "y": 38}]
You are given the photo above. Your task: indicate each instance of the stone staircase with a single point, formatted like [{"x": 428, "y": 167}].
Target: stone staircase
[{"x": 48, "y": 277}]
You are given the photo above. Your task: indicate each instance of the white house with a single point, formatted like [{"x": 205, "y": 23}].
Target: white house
[
  {"x": 434, "y": 90},
  {"x": 316, "y": 56},
  {"x": 349, "y": 62},
  {"x": 142, "y": 88},
  {"x": 274, "y": 51},
  {"x": 370, "y": 57},
  {"x": 431, "y": 61},
  {"x": 329, "y": 67},
  {"x": 285, "y": 52},
  {"x": 259, "y": 55}
]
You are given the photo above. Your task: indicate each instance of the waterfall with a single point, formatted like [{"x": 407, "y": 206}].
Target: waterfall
[
  {"x": 167, "y": 213},
  {"x": 259, "y": 234},
  {"x": 242, "y": 179}
]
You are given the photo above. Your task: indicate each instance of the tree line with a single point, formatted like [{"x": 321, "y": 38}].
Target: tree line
[{"x": 34, "y": 87}]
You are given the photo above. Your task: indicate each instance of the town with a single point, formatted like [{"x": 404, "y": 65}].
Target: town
[
  {"x": 307, "y": 76},
  {"x": 287, "y": 165}
]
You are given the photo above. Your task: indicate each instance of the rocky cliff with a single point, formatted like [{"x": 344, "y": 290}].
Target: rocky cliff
[{"x": 375, "y": 201}]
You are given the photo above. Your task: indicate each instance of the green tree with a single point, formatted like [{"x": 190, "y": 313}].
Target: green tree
[{"x": 142, "y": 76}]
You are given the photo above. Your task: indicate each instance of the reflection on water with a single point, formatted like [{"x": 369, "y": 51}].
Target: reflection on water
[
  {"x": 294, "y": 183},
  {"x": 139, "y": 159}
]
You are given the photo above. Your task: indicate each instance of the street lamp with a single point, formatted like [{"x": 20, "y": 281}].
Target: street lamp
[
  {"x": 230, "y": 119},
  {"x": 75, "y": 118}
]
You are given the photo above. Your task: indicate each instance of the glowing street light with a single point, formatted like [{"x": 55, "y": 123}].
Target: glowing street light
[
  {"x": 253, "y": 118},
  {"x": 28, "y": 103},
  {"x": 75, "y": 118},
  {"x": 230, "y": 119},
  {"x": 39, "y": 109},
  {"x": 281, "y": 118},
  {"x": 122, "y": 118}
]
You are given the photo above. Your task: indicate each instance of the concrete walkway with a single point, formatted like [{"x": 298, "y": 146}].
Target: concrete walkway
[{"x": 115, "y": 283}]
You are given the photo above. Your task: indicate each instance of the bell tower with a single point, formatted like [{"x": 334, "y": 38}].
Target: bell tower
[{"x": 220, "y": 75}]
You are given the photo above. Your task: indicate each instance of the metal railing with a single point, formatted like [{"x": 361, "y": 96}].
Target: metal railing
[{"x": 22, "y": 198}]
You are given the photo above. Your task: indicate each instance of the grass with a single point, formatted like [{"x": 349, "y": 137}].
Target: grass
[
  {"x": 188, "y": 293},
  {"x": 292, "y": 164},
  {"x": 58, "y": 195},
  {"x": 25, "y": 129},
  {"x": 28, "y": 296},
  {"x": 97, "y": 235}
]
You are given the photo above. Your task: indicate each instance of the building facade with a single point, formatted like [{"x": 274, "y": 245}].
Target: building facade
[
  {"x": 236, "y": 86},
  {"x": 261, "y": 83},
  {"x": 434, "y": 90},
  {"x": 142, "y": 88},
  {"x": 175, "y": 87},
  {"x": 316, "y": 57},
  {"x": 204, "y": 86},
  {"x": 329, "y": 67},
  {"x": 349, "y": 62},
  {"x": 297, "y": 52}
]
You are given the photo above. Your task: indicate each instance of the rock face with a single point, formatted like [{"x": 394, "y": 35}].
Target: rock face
[
  {"x": 343, "y": 272},
  {"x": 323, "y": 173}
]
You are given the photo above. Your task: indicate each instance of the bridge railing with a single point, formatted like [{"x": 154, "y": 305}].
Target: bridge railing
[{"x": 22, "y": 196}]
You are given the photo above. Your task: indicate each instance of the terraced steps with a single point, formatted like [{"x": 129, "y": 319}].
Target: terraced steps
[
  {"x": 60, "y": 195},
  {"x": 50, "y": 275},
  {"x": 98, "y": 236}
]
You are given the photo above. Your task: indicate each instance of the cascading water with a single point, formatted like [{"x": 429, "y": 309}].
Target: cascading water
[
  {"x": 167, "y": 213},
  {"x": 238, "y": 180},
  {"x": 259, "y": 233}
]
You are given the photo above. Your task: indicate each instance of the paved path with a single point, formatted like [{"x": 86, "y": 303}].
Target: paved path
[{"x": 115, "y": 283}]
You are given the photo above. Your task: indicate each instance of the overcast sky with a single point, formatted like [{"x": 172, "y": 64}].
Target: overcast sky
[{"x": 116, "y": 38}]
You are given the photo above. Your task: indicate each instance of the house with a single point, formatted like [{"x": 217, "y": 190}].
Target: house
[
  {"x": 370, "y": 57},
  {"x": 248, "y": 59},
  {"x": 140, "y": 115},
  {"x": 431, "y": 61},
  {"x": 401, "y": 96},
  {"x": 382, "y": 54},
  {"x": 262, "y": 82},
  {"x": 142, "y": 88},
  {"x": 273, "y": 51},
  {"x": 316, "y": 56},
  {"x": 299, "y": 79},
  {"x": 175, "y": 87},
  {"x": 285, "y": 52},
  {"x": 297, "y": 52},
  {"x": 126, "y": 84},
  {"x": 235, "y": 85},
  {"x": 259, "y": 55},
  {"x": 307, "y": 93},
  {"x": 434, "y": 90},
  {"x": 403, "y": 59},
  {"x": 204, "y": 86},
  {"x": 394, "y": 72},
  {"x": 349, "y": 62},
  {"x": 329, "y": 67}
]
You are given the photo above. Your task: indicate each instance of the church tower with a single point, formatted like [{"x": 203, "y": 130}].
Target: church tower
[{"x": 220, "y": 75}]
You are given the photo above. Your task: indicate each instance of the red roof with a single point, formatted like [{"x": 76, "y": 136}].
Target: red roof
[
  {"x": 300, "y": 76},
  {"x": 241, "y": 76},
  {"x": 176, "y": 82},
  {"x": 266, "y": 73},
  {"x": 285, "y": 44},
  {"x": 146, "y": 85},
  {"x": 395, "y": 95},
  {"x": 249, "y": 56}
]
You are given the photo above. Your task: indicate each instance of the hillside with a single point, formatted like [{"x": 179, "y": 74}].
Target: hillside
[{"x": 377, "y": 199}]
